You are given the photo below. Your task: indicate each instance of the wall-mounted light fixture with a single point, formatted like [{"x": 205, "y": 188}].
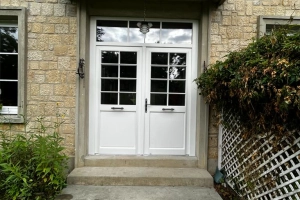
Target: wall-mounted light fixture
[
  {"x": 80, "y": 69},
  {"x": 144, "y": 26}
]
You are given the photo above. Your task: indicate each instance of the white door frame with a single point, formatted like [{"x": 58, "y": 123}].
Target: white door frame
[
  {"x": 191, "y": 99},
  {"x": 179, "y": 111}
]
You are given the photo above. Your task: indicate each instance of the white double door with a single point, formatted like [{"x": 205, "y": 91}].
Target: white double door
[{"x": 141, "y": 100}]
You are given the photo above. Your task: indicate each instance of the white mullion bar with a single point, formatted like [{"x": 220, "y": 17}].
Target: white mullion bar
[
  {"x": 8, "y": 53},
  {"x": 168, "y": 78},
  {"x": 128, "y": 31},
  {"x": 7, "y": 80},
  {"x": 119, "y": 76},
  {"x": 160, "y": 28}
]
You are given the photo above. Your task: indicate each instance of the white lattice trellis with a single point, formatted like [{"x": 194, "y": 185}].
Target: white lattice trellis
[{"x": 267, "y": 172}]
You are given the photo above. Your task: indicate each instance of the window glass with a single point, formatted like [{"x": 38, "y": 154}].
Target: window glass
[
  {"x": 159, "y": 58},
  {"x": 118, "y": 77},
  {"x": 9, "y": 39},
  {"x": 128, "y": 57},
  {"x": 135, "y": 36},
  {"x": 176, "y": 33},
  {"x": 269, "y": 23},
  {"x": 8, "y": 65},
  {"x": 9, "y": 93},
  {"x": 168, "y": 79},
  {"x": 110, "y": 57},
  {"x": 128, "y": 31},
  {"x": 13, "y": 63},
  {"x": 127, "y": 98},
  {"x": 154, "y": 33},
  {"x": 111, "y": 31},
  {"x": 292, "y": 28}
]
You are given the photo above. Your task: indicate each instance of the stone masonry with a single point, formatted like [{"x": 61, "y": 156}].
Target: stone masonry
[
  {"x": 233, "y": 25},
  {"x": 52, "y": 48},
  {"x": 51, "y": 64}
]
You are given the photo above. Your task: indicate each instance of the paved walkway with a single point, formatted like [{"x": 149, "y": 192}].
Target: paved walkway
[{"x": 79, "y": 192}]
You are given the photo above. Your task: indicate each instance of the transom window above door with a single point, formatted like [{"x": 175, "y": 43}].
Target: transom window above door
[{"x": 160, "y": 32}]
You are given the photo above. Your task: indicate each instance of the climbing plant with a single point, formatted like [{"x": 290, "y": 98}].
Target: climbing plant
[{"x": 260, "y": 84}]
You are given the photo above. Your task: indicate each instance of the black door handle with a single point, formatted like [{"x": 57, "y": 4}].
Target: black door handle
[
  {"x": 117, "y": 108},
  {"x": 171, "y": 109}
]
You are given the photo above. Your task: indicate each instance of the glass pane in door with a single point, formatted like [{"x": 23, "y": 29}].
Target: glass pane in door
[
  {"x": 158, "y": 99},
  {"x": 176, "y": 99},
  {"x": 109, "y": 98},
  {"x": 177, "y": 86},
  {"x": 159, "y": 58},
  {"x": 110, "y": 56},
  {"x": 128, "y": 85},
  {"x": 118, "y": 77},
  {"x": 168, "y": 77},
  {"x": 109, "y": 85},
  {"x": 177, "y": 59},
  {"x": 127, "y": 98},
  {"x": 158, "y": 86},
  {"x": 159, "y": 72},
  {"x": 177, "y": 73},
  {"x": 128, "y": 57},
  {"x": 128, "y": 71},
  {"x": 109, "y": 71}
]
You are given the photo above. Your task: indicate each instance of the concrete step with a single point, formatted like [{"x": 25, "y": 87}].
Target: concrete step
[
  {"x": 140, "y": 176},
  {"x": 89, "y": 192},
  {"x": 141, "y": 161}
]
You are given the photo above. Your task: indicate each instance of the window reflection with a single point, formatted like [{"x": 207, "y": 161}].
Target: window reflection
[
  {"x": 168, "y": 79},
  {"x": 135, "y": 36},
  {"x": 160, "y": 32},
  {"x": 154, "y": 33},
  {"x": 9, "y": 67},
  {"x": 110, "y": 57},
  {"x": 176, "y": 33},
  {"x": 175, "y": 60},
  {"x": 9, "y": 39},
  {"x": 111, "y": 31},
  {"x": 291, "y": 28},
  {"x": 9, "y": 93}
]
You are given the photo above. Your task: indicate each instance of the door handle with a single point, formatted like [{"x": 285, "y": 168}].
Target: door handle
[
  {"x": 170, "y": 109},
  {"x": 146, "y": 105},
  {"x": 117, "y": 108}
]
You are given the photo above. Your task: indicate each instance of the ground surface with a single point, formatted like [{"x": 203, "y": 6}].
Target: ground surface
[
  {"x": 226, "y": 192},
  {"x": 80, "y": 192}
]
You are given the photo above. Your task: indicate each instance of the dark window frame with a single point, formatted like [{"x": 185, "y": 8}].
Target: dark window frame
[{"x": 263, "y": 21}]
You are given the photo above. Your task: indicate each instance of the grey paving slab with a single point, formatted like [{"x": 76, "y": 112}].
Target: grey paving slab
[{"x": 79, "y": 192}]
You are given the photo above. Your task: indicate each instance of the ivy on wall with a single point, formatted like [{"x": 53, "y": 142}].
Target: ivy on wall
[{"x": 260, "y": 84}]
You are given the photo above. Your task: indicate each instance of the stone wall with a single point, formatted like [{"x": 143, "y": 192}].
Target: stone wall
[
  {"x": 51, "y": 64},
  {"x": 233, "y": 25}
]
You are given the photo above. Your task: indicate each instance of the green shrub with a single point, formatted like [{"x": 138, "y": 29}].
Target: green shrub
[
  {"x": 260, "y": 84},
  {"x": 32, "y": 165}
]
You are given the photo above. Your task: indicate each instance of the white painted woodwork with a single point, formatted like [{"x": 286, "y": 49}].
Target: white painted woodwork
[
  {"x": 117, "y": 132},
  {"x": 132, "y": 130},
  {"x": 165, "y": 130}
]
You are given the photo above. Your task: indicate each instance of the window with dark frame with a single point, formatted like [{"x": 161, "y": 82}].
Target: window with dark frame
[
  {"x": 13, "y": 32},
  {"x": 9, "y": 66},
  {"x": 268, "y": 23}
]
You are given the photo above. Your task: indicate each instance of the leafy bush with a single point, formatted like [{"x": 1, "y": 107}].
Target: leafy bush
[
  {"x": 260, "y": 84},
  {"x": 32, "y": 165}
]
